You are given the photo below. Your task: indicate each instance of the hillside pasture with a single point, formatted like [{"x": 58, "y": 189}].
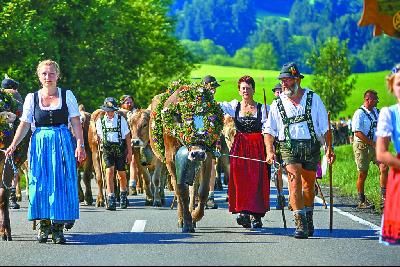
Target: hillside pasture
[{"x": 268, "y": 78}]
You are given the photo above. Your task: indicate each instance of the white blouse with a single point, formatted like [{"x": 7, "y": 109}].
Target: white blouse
[
  {"x": 27, "y": 113},
  {"x": 274, "y": 125},
  {"x": 385, "y": 127},
  {"x": 229, "y": 108}
]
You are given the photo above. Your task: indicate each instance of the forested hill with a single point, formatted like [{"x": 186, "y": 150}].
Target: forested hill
[
  {"x": 227, "y": 32},
  {"x": 279, "y": 7}
]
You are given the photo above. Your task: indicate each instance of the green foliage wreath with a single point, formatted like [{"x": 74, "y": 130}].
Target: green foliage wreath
[
  {"x": 195, "y": 102},
  {"x": 157, "y": 123},
  {"x": 7, "y": 103}
]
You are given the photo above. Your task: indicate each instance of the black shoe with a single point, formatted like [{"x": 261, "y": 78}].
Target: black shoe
[
  {"x": 244, "y": 220},
  {"x": 68, "y": 226},
  {"x": 124, "y": 203},
  {"x": 58, "y": 233},
  {"x": 365, "y": 205},
  {"x": 111, "y": 203},
  {"x": 256, "y": 222},
  {"x": 44, "y": 231},
  {"x": 13, "y": 200}
]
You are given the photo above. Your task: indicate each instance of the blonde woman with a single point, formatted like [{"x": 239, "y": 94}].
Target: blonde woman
[
  {"x": 53, "y": 195},
  {"x": 389, "y": 129}
]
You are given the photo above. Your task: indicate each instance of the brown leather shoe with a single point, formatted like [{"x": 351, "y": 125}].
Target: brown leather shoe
[{"x": 365, "y": 205}]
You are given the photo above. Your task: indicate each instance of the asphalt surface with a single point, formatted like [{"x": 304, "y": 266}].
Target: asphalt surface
[{"x": 142, "y": 235}]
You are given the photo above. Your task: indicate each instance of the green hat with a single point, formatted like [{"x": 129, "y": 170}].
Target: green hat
[
  {"x": 277, "y": 86},
  {"x": 210, "y": 80},
  {"x": 110, "y": 104},
  {"x": 290, "y": 70}
]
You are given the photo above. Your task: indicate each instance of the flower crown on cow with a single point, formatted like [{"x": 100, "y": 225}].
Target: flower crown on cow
[{"x": 196, "y": 118}]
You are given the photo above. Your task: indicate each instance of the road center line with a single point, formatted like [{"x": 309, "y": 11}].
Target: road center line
[{"x": 138, "y": 226}]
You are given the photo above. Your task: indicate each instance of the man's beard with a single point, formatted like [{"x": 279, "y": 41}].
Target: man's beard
[{"x": 289, "y": 92}]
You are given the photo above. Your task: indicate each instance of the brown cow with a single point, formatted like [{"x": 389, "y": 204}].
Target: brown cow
[
  {"x": 85, "y": 168},
  {"x": 183, "y": 162},
  {"x": 7, "y": 173},
  {"x": 228, "y": 134},
  {"x": 138, "y": 122}
]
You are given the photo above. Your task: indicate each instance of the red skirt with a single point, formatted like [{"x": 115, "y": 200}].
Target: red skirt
[
  {"x": 248, "y": 188},
  {"x": 391, "y": 213}
]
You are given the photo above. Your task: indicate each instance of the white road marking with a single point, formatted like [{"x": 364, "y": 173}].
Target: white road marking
[{"x": 138, "y": 226}]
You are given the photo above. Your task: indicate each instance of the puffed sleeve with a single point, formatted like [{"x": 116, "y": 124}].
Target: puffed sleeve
[
  {"x": 264, "y": 116},
  {"x": 73, "y": 110},
  {"x": 124, "y": 127},
  {"x": 27, "y": 112},
  {"x": 384, "y": 127},
  {"x": 271, "y": 125},
  {"x": 229, "y": 108}
]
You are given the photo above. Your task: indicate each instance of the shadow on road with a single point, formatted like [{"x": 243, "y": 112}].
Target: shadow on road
[
  {"x": 139, "y": 238},
  {"x": 321, "y": 233}
]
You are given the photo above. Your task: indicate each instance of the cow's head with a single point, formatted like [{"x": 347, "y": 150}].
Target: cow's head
[
  {"x": 195, "y": 119},
  {"x": 139, "y": 125}
]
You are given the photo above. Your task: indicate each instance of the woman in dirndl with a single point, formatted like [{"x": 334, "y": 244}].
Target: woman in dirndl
[
  {"x": 248, "y": 186},
  {"x": 389, "y": 129},
  {"x": 53, "y": 192}
]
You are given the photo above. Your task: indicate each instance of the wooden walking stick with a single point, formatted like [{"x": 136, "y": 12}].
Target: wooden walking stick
[
  {"x": 329, "y": 149},
  {"x": 322, "y": 195}
]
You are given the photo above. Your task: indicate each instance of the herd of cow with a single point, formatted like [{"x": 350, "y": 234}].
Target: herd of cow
[{"x": 154, "y": 171}]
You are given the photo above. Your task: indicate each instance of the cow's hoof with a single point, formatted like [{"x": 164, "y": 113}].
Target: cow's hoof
[
  {"x": 197, "y": 214},
  {"x": 148, "y": 202},
  {"x": 188, "y": 229},
  {"x": 157, "y": 203},
  {"x": 100, "y": 204},
  {"x": 180, "y": 224},
  {"x": 89, "y": 201}
]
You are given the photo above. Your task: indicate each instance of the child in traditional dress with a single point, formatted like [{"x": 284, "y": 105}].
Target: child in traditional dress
[{"x": 389, "y": 129}]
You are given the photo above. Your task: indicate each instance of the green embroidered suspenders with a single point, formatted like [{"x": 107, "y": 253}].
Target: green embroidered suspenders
[
  {"x": 112, "y": 147},
  {"x": 296, "y": 119}
]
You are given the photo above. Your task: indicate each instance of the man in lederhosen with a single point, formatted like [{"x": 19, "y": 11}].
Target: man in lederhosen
[
  {"x": 364, "y": 124},
  {"x": 113, "y": 131},
  {"x": 299, "y": 120}
]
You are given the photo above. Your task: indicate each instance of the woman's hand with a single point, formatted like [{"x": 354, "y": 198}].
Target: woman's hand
[
  {"x": 10, "y": 150},
  {"x": 271, "y": 157},
  {"x": 80, "y": 154}
]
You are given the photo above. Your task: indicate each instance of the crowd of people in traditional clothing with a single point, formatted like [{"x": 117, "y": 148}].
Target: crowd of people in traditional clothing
[{"x": 289, "y": 133}]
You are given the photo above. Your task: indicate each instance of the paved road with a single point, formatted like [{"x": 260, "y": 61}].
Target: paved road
[{"x": 143, "y": 235}]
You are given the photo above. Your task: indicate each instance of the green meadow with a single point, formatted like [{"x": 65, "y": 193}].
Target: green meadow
[{"x": 266, "y": 79}]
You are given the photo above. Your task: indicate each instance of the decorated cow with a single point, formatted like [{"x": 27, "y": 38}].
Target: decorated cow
[
  {"x": 186, "y": 122},
  {"x": 10, "y": 109}
]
